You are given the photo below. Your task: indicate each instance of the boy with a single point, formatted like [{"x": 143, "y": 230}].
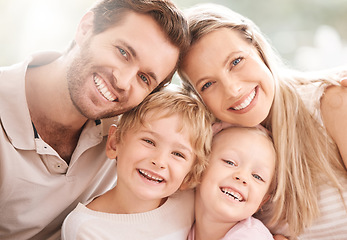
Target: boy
[
  {"x": 160, "y": 148},
  {"x": 51, "y": 136}
]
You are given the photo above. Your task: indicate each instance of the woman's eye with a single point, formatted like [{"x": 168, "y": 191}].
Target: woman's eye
[
  {"x": 236, "y": 61},
  {"x": 256, "y": 176},
  {"x": 144, "y": 79},
  {"x": 206, "y": 85}
]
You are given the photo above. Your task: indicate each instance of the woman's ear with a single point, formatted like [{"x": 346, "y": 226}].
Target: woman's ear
[
  {"x": 111, "y": 145},
  {"x": 85, "y": 28}
]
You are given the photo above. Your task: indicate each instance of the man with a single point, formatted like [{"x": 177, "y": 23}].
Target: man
[{"x": 52, "y": 141}]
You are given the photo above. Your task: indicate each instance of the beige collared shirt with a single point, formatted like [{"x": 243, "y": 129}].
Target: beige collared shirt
[{"x": 37, "y": 188}]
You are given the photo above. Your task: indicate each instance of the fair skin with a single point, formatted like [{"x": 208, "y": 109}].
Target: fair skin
[
  {"x": 334, "y": 114},
  {"x": 235, "y": 71},
  {"x": 152, "y": 162},
  {"x": 102, "y": 76},
  {"x": 236, "y": 182},
  {"x": 236, "y": 86}
]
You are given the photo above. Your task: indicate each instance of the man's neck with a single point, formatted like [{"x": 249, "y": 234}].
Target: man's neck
[{"x": 51, "y": 110}]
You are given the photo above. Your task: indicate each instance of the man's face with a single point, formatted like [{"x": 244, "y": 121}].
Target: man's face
[{"x": 115, "y": 70}]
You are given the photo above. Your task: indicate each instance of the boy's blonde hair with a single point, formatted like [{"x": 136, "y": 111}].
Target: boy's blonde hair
[
  {"x": 307, "y": 156},
  {"x": 195, "y": 119}
]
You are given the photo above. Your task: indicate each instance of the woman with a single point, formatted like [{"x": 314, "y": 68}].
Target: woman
[{"x": 241, "y": 79}]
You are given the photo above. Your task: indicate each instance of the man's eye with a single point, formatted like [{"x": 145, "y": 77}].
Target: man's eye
[{"x": 123, "y": 52}]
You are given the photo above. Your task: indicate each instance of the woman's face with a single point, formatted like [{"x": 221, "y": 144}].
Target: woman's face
[{"x": 231, "y": 77}]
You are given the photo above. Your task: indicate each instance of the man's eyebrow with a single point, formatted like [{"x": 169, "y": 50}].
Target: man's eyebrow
[
  {"x": 133, "y": 53},
  {"x": 131, "y": 50}
]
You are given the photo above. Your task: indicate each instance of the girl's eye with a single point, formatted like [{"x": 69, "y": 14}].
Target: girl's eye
[
  {"x": 206, "y": 85},
  {"x": 256, "y": 176},
  {"x": 144, "y": 79},
  {"x": 149, "y": 141},
  {"x": 230, "y": 162},
  {"x": 178, "y": 155}
]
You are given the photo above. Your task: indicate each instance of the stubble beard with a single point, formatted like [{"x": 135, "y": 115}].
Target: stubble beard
[{"x": 79, "y": 73}]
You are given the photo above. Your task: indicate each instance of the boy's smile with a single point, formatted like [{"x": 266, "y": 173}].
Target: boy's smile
[{"x": 154, "y": 159}]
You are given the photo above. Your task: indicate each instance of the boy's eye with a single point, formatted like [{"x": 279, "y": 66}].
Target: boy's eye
[
  {"x": 149, "y": 141},
  {"x": 178, "y": 154},
  {"x": 256, "y": 176}
]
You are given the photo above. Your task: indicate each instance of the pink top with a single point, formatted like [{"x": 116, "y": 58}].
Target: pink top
[{"x": 250, "y": 228}]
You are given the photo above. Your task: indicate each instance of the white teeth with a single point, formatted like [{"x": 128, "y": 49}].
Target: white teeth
[
  {"x": 246, "y": 102},
  {"x": 103, "y": 89},
  {"x": 150, "y": 177},
  {"x": 231, "y": 193}
]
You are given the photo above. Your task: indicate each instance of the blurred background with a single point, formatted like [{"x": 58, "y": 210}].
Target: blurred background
[{"x": 309, "y": 34}]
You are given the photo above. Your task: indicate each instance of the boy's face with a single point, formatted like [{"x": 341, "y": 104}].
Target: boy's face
[
  {"x": 153, "y": 160},
  {"x": 240, "y": 170},
  {"x": 115, "y": 70}
]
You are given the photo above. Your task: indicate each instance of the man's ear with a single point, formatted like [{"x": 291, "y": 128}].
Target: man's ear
[
  {"x": 111, "y": 144},
  {"x": 85, "y": 28}
]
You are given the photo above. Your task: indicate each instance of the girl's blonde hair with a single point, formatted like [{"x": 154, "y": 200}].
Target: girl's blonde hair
[
  {"x": 307, "y": 156},
  {"x": 195, "y": 120}
]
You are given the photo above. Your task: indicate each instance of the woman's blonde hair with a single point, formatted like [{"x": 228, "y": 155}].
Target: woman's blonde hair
[
  {"x": 195, "y": 120},
  {"x": 307, "y": 156}
]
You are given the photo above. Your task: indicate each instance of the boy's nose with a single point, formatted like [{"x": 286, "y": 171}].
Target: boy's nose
[{"x": 158, "y": 163}]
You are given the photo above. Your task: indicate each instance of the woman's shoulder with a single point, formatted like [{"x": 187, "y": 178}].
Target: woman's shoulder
[
  {"x": 334, "y": 97},
  {"x": 334, "y": 114}
]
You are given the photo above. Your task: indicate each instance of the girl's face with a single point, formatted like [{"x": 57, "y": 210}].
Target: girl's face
[
  {"x": 237, "y": 179},
  {"x": 231, "y": 77}
]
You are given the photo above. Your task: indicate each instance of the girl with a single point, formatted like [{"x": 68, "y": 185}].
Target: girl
[
  {"x": 239, "y": 179},
  {"x": 240, "y": 78}
]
